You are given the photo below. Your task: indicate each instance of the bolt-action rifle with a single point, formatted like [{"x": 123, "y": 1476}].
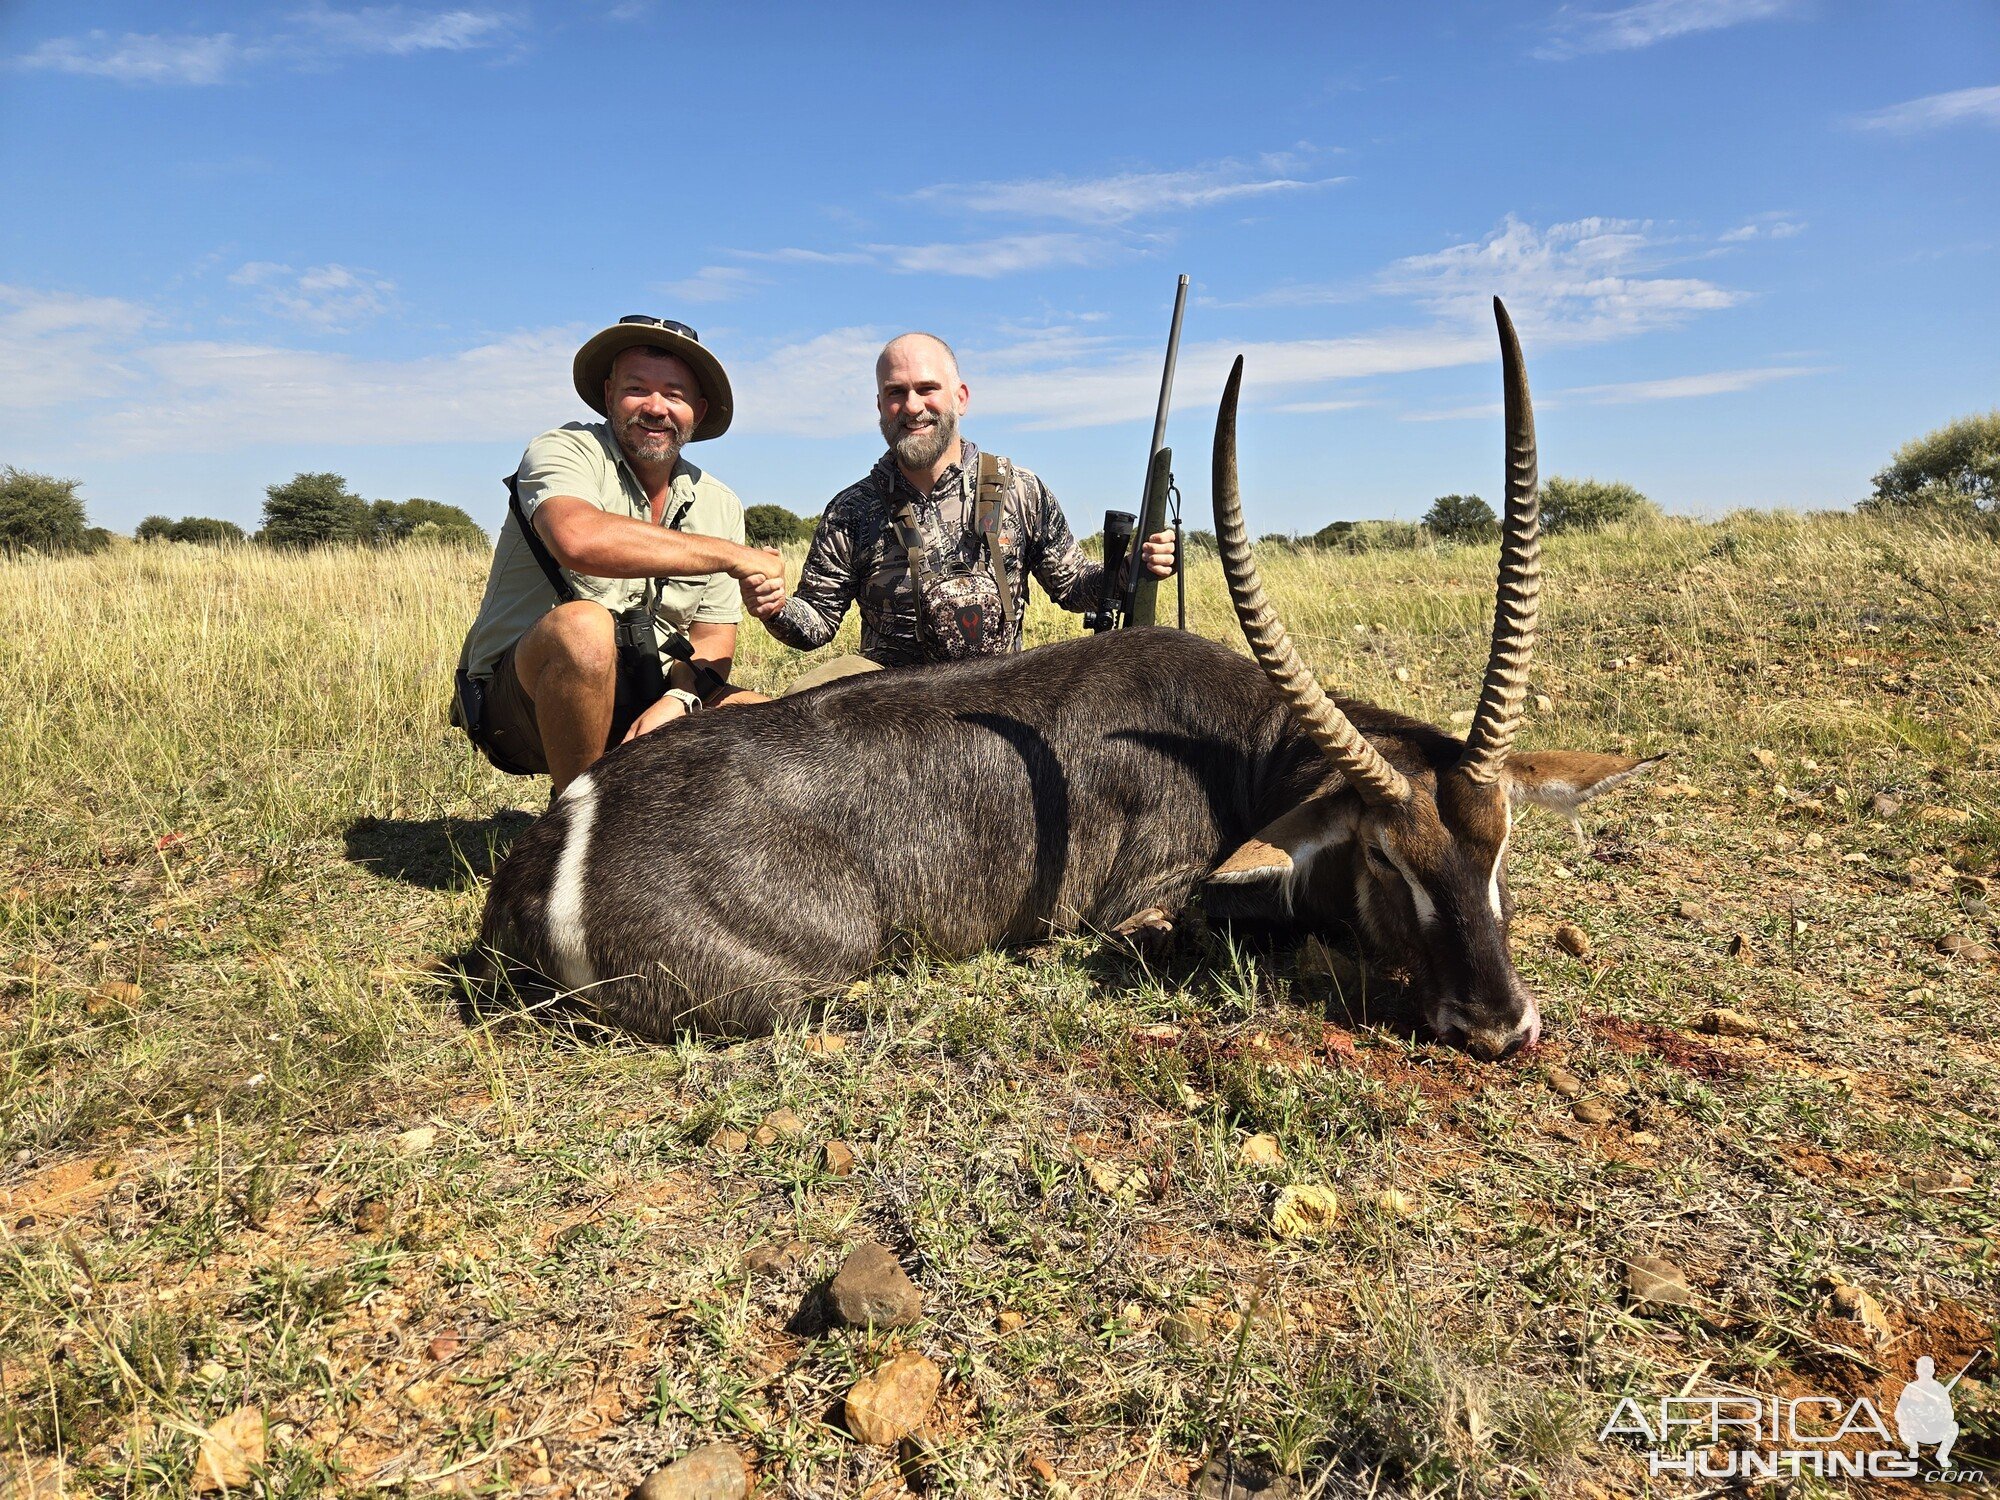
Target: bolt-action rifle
[{"x": 1131, "y": 594}]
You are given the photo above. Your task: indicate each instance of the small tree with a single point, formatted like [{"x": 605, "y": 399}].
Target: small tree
[
  {"x": 773, "y": 526},
  {"x": 1588, "y": 504},
  {"x": 1462, "y": 518},
  {"x": 205, "y": 530},
  {"x": 1368, "y": 536},
  {"x": 153, "y": 529},
  {"x": 1954, "y": 469},
  {"x": 313, "y": 510},
  {"x": 43, "y": 514},
  {"x": 424, "y": 520}
]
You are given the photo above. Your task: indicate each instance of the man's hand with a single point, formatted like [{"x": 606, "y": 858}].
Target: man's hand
[
  {"x": 1157, "y": 554},
  {"x": 763, "y": 590},
  {"x": 660, "y": 714},
  {"x": 760, "y": 562}
]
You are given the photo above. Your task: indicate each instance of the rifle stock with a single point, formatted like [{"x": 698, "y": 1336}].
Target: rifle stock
[{"x": 1142, "y": 593}]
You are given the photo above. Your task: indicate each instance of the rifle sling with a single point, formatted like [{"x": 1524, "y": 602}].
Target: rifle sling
[{"x": 678, "y": 646}]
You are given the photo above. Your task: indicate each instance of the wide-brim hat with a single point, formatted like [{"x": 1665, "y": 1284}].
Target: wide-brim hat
[{"x": 593, "y": 366}]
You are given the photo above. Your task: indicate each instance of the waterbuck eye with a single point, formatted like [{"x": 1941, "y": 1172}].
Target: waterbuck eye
[{"x": 1379, "y": 857}]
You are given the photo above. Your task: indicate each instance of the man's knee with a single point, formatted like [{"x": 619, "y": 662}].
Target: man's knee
[{"x": 579, "y": 638}]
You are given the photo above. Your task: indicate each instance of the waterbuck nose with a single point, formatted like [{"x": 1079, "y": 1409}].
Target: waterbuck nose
[{"x": 1491, "y": 1043}]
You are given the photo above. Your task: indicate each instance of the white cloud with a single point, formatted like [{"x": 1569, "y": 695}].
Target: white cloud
[
  {"x": 792, "y": 255},
  {"x": 331, "y": 297},
  {"x": 1117, "y": 198},
  {"x": 982, "y": 259},
  {"x": 823, "y": 386},
  {"x": 132, "y": 58},
  {"x": 317, "y": 35},
  {"x": 1574, "y": 31},
  {"x": 1764, "y": 227},
  {"x": 1586, "y": 280},
  {"x": 997, "y": 257},
  {"x": 710, "y": 284},
  {"x": 1125, "y": 387},
  {"x": 1484, "y": 413},
  {"x": 1682, "y": 387},
  {"x": 1307, "y": 407},
  {"x": 397, "y": 32},
  {"x": 1980, "y": 106},
  {"x": 502, "y": 391},
  {"x": 56, "y": 348}
]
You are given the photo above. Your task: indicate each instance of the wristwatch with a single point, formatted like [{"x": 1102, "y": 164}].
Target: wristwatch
[{"x": 689, "y": 701}]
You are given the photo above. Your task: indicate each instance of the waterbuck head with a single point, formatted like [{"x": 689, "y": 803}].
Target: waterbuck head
[{"x": 1404, "y": 842}]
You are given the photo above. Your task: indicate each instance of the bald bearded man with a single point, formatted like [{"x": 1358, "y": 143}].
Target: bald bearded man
[{"x": 937, "y": 542}]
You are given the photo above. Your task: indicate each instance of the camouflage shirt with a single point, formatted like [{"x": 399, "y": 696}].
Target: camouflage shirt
[{"x": 856, "y": 558}]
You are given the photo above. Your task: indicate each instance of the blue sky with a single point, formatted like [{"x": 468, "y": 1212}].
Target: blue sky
[{"x": 1752, "y": 245}]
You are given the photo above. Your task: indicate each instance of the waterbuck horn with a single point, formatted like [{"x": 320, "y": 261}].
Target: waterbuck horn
[
  {"x": 1520, "y": 588},
  {"x": 1359, "y": 761}
]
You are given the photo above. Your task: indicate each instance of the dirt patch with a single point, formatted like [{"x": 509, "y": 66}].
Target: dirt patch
[
  {"x": 55, "y": 1195},
  {"x": 1673, "y": 1047}
]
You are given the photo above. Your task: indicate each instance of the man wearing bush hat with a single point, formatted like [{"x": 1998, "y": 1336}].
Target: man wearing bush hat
[{"x": 608, "y": 522}]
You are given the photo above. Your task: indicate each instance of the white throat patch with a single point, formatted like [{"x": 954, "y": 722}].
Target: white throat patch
[{"x": 1499, "y": 860}]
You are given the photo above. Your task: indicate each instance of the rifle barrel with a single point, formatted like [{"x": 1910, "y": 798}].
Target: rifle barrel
[{"x": 1167, "y": 375}]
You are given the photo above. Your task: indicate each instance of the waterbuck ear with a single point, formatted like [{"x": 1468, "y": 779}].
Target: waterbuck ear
[
  {"x": 1563, "y": 780},
  {"x": 1285, "y": 844}
]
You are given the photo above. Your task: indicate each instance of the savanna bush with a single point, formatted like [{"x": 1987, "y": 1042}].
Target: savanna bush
[
  {"x": 1591, "y": 504},
  {"x": 418, "y": 520},
  {"x": 1370, "y": 536},
  {"x": 41, "y": 513},
  {"x": 1462, "y": 518},
  {"x": 1954, "y": 470},
  {"x": 773, "y": 526},
  {"x": 314, "y": 510},
  {"x": 205, "y": 530}
]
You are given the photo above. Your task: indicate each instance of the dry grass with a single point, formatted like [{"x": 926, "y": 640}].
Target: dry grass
[{"x": 237, "y": 835}]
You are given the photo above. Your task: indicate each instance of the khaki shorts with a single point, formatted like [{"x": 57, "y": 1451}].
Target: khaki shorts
[{"x": 510, "y": 736}]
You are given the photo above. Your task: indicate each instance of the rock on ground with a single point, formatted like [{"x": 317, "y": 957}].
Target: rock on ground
[
  {"x": 1304, "y": 1212},
  {"x": 871, "y": 1288},
  {"x": 889, "y": 1405},
  {"x": 231, "y": 1451},
  {"x": 1652, "y": 1282},
  {"x": 712, "y": 1473},
  {"x": 1221, "y": 1479}
]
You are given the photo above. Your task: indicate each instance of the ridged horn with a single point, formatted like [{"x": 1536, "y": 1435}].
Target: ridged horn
[
  {"x": 1519, "y": 594},
  {"x": 1359, "y": 761}
]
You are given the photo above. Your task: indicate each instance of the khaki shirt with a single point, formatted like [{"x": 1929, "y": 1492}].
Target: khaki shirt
[{"x": 582, "y": 459}]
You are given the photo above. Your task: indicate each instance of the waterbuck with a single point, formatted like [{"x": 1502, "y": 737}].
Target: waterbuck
[{"x": 720, "y": 874}]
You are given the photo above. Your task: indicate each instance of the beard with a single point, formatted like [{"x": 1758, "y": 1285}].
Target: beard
[
  {"x": 920, "y": 449},
  {"x": 645, "y": 441}
]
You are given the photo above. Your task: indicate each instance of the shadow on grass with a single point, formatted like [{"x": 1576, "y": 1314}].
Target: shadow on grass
[
  {"x": 1240, "y": 964},
  {"x": 439, "y": 854}
]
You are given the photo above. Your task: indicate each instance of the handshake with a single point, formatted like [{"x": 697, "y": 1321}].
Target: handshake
[{"x": 760, "y": 578}]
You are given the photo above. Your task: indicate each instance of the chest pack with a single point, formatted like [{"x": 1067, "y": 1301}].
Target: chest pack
[{"x": 963, "y": 610}]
